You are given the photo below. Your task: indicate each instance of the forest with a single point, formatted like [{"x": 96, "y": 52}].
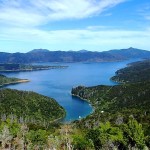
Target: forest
[{"x": 134, "y": 72}]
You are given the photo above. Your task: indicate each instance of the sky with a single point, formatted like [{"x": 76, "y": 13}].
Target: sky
[{"x": 96, "y": 25}]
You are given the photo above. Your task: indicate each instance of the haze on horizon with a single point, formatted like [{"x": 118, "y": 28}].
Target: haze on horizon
[{"x": 96, "y": 25}]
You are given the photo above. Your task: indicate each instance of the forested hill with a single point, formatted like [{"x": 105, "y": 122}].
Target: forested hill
[
  {"x": 120, "y": 100},
  {"x": 42, "y": 55},
  {"x": 29, "y": 107},
  {"x": 135, "y": 72}
]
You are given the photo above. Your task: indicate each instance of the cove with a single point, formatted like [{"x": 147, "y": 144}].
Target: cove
[{"x": 57, "y": 83}]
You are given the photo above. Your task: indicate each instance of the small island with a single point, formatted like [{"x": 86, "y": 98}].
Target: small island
[{"x": 11, "y": 67}]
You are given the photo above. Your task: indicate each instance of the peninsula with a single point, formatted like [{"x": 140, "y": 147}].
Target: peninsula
[
  {"x": 7, "y": 81},
  {"x": 134, "y": 72},
  {"x": 11, "y": 67}
]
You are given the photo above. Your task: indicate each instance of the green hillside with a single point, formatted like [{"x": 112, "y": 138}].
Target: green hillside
[
  {"x": 135, "y": 72},
  {"x": 29, "y": 107},
  {"x": 113, "y": 101}
]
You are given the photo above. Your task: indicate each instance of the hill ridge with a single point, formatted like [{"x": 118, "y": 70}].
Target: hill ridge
[{"x": 44, "y": 55}]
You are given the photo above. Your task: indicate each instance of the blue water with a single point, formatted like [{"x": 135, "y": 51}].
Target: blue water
[{"x": 57, "y": 83}]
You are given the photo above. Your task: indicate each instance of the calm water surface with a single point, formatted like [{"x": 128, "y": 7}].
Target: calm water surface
[{"x": 57, "y": 83}]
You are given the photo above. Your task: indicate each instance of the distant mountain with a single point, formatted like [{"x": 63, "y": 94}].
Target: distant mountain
[
  {"x": 44, "y": 55},
  {"x": 130, "y": 53},
  {"x": 83, "y": 51},
  {"x": 39, "y": 51}
]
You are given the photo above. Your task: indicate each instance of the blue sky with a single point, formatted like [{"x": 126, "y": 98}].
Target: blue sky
[{"x": 95, "y": 25}]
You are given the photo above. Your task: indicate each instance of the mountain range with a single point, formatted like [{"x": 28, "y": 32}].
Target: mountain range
[{"x": 44, "y": 55}]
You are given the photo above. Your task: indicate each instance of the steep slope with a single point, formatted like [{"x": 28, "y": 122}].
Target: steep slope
[{"x": 29, "y": 107}]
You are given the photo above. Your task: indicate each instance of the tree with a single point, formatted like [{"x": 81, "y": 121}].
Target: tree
[
  {"x": 81, "y": 143},
  {"x": 134, "y": 133},
  {"x": 5, "y": 137},
  {"x": 111, "y": 136},
  {"x": 37, "y": 138},
  {"x": 94, "y": 134}
]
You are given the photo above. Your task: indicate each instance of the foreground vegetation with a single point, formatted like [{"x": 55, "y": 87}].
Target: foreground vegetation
[{"x": 17, "y": 136}]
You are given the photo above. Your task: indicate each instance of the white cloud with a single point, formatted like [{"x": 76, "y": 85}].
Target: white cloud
[
  {"x": 98, "y": 27},
  {"x": 20, "y": 22},
  {"x": 39, "y": 12},
  {"x": 77, "y": 39}
]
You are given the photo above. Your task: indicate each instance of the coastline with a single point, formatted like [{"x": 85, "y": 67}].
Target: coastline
[
  {"x": 93, "y": 107},
  {"x": 90, "y": 103},
  {"x": 37, "y": 69},
  {"x": 111, "y": 79},
  {"x": 118, "y": 82}
]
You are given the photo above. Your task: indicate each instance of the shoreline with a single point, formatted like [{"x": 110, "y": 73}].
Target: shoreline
[
  {"x": 77, "y": 96},
  {"x": 93, "y": 107},
  {"x": 118, "y": 82},
  {"x": 38, "y": 69}
]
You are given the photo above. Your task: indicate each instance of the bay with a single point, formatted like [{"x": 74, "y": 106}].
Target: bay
[{"x": 57, "y": 83}]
